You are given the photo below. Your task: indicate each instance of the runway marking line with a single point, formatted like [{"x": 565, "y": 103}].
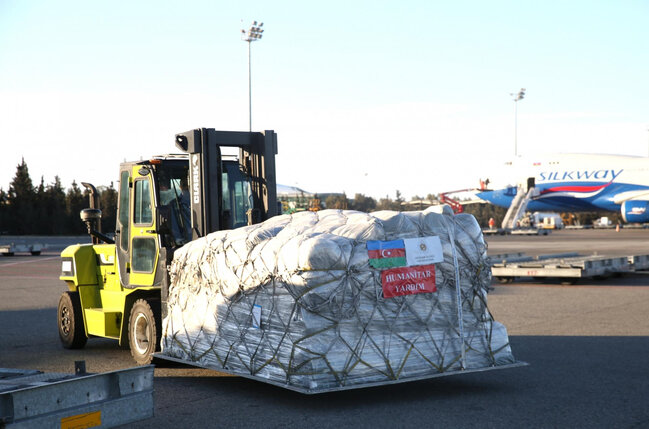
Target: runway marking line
[
  {"x": 28, "y": 262},
  {"x": 27, "y": 277}
]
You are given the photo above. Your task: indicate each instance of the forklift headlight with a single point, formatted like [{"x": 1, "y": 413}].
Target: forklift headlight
[{"x": 67, "y": 267}]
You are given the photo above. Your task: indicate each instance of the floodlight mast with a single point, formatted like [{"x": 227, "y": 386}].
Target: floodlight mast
[
  {"x": 519, "y": 96},
  {"x": 253, "y": 34}
]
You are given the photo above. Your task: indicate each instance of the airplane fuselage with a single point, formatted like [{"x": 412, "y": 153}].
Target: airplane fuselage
[{"x": 581, "y": 183}]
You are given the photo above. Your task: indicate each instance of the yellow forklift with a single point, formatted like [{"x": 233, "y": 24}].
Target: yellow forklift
[{"x": 118, "y": 288}]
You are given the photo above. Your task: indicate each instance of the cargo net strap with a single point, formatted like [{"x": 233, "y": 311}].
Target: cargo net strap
[{"x": 294, "y": 300}]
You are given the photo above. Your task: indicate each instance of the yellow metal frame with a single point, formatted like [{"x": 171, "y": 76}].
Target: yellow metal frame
[
  {"x": 147, "y": 230},
  {"x": 95, "y": 276}
]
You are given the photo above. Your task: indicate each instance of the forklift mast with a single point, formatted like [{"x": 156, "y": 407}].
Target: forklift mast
[{"x": 257, "y": 152}]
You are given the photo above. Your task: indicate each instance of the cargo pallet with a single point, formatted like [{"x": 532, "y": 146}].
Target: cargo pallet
[
  {"x": 31, "y": 398},
  {"x": 568, "y": 267},
  {"x": 306, "y": 391}
]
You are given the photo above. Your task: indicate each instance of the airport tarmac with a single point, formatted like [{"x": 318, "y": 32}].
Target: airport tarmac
[{"x": 587, "y": 346}]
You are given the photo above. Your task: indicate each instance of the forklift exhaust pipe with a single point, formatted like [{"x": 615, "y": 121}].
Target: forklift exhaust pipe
[{"x": 91, "y": 218}]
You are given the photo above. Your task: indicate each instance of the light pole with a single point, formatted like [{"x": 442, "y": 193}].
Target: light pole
[
  {"x": 253, "y": 34},
  {"x": 519, "y": 96}
]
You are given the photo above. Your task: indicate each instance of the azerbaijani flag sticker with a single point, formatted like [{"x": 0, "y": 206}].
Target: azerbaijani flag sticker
[{"x": 386, "y": 254}]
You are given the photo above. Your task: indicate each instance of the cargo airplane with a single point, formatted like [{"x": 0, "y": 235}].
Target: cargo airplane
[{"x": 577, "y": 182}]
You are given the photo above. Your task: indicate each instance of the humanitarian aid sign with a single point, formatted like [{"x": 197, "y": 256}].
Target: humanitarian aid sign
[
  {"x": 408, "y": 281},
  {"x": 406, "y": 264}
]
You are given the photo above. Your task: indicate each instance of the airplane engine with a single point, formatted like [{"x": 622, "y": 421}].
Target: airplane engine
[{"x": 635, "y": 211}]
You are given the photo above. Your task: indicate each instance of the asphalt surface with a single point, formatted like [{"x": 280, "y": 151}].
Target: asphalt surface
[{"x": 587, "y": 346}]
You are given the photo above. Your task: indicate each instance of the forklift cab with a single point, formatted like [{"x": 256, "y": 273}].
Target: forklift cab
[{"x": 152, "y": 217}]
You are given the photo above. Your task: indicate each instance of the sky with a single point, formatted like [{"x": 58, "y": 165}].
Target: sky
[{"x": 366, "y": 96}]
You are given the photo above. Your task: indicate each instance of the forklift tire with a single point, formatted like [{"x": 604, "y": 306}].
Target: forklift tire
[
  {"x": 143, "y": 332},
  {"x": 70, "y": 321}
]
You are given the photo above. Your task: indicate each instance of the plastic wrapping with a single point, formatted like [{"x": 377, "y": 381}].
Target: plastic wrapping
[{"x": 294, "y": 301}]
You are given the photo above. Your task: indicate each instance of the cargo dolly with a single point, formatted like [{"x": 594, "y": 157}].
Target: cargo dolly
[
  {"x": 31, "y": 398},
  {"x": 568, "y": 267},
  {"x": 11, "y": 249}
]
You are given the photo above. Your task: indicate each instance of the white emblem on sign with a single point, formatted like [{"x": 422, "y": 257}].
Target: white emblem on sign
[{"x": 423, "y": 250}]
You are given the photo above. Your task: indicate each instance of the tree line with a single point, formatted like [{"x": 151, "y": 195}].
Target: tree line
[
  {"x": 361, "y": 202},
  {"x": 49, "y": 209}
]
